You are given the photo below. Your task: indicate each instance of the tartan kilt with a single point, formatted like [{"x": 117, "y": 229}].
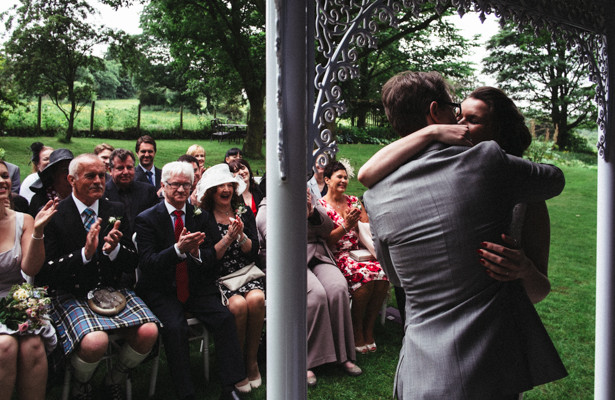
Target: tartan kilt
[{"x": 74, "y": 319}]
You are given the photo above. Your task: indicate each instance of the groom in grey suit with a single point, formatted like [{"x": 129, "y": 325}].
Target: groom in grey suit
[{"x": 467, "y": 336}]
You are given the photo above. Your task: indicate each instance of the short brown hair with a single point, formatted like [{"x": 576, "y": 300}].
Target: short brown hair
[
  {"x": 102, "y": 147},
  {"x": 406, "y": 98},
  {"x": 122, "y": 154},
  {"x": 145, "y": 139}
]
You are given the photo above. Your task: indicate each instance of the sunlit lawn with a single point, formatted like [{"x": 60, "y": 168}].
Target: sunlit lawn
[{"x": 568, "y": 312}]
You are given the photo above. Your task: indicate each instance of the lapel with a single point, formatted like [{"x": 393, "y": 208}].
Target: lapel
[
  {"x": 72, "y": 220},
  {"x": 164, "y": 220}
]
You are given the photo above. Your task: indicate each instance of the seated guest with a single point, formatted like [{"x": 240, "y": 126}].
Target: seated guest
[
  {"x": 232, "y": 154},
  {"x": 252, "y": 196},
  {"x": 197, "y": 174},
  {"x": 23, "y": 359},
  {"x": 366, "y": 279},
  {"x": 232, "y": 229},
  {"x": 39, "y": 160},
  {"x": 197, "y": 152},
  {"x": 136, "y": 196},
  {"x": 53, "y": 182},
  {"x": 86, "y": 250},
  {"x": 103, "y": 151},
  {"x": 178, "y": 275},
  {"x": 329, "y": 325},
  {"x": 317, "y": 182}
]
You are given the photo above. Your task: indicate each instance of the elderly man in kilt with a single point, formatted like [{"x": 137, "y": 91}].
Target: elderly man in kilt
[{"x": 86, "y": 249}]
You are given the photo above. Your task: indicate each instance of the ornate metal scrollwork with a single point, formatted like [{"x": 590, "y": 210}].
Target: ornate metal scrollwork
[{"x": 344, "y": 25}]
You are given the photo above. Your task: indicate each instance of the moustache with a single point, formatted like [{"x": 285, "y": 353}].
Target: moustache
[{"x": 96, "y": 186}]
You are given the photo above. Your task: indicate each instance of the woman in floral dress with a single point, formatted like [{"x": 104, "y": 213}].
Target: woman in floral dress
[
  {"x": 367, "y": 282},
  {"x": 233, "y": 230}
]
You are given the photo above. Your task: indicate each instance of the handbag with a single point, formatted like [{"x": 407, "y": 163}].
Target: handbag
[
  {"x": 237, "y": 279},
  {"x": 365, "y": 237}
]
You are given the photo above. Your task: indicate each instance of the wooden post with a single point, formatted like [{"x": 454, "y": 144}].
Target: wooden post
[
  {"x": 92, "y": 118},
  {"x": 181, "y": 119},
  {"x": 139, "y": 118},
  {"x": 39, "y": 115}
]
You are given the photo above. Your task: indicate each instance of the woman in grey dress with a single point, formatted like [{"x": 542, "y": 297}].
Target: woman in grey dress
[
  {"x": 329, "y": 325},
  {"x": 22, "y": 253}
]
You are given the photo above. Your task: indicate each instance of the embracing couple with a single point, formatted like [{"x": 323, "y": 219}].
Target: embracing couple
[{"x": 442, "y": 215}]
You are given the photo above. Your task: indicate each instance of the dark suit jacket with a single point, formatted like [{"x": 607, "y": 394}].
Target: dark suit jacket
[
  {"x": 139, "y": 197},
  {"x": 15, "y": 177},
  {"x": 141, "y": 177},
  {"x": 65, "y": 237},
  {"x": 157, "y": 256}
]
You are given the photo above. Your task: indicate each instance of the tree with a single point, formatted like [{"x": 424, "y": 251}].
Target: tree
[
  {"x": 8, "y": 93},
  {"x": 220, "y": 46},
  {"x": 50, "y": 44},
  {"x": 426, "y": 42},
  {"x": 537, "y": 70}
]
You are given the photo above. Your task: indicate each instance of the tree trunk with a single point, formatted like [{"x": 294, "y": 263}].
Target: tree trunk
[{"x": 252, "y": 147}]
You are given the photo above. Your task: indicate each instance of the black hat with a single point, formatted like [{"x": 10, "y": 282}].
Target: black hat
[{"x": 46, "y": 175}]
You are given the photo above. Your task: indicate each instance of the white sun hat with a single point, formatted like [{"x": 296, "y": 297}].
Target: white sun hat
[{"x": 217, "y": 175}]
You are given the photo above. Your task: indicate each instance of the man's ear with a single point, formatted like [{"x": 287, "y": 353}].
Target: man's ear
[
  {"x": 433, "y": 117},
  {"x": 71, "y": 180}
]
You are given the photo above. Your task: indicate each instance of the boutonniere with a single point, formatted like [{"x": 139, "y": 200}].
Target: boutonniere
[
  {"x": 110, "y": 223},
  {"x": 241, "y": 210},
  {"x": 197, "y": 212}
]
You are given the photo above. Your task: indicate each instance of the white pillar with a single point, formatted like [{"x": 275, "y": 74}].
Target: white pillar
[
  {"x": 604, "y": 386},
  {"x": 287, "y": 125}
]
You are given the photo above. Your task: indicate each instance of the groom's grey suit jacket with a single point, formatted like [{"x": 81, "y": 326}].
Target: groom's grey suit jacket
[{"x": 467, "y": 336}]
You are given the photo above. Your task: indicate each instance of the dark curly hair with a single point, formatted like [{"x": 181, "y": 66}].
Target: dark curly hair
[
  {"x": 509, "y": 129},
  {"x": 206, "y": 202},
  {"x": 333, "y": 167},
  {"x": 235, "y": 166}
]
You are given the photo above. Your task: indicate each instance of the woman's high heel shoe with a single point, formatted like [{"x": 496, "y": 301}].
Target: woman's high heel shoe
[{"x": 361, "y": 349}]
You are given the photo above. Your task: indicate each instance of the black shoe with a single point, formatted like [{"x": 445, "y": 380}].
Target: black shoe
[
  {"x": 81, "y": 391},
  {"x": 229, "y": 395},
  {"x": 114, "y": 392}
]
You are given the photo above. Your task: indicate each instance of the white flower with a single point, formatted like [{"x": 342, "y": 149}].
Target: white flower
[
  {"x": 241, "y": 210},
  {"x": 349, "y": 169},
  {"x": 197, "y": 212},
  {"x": 113, "y": 220}
]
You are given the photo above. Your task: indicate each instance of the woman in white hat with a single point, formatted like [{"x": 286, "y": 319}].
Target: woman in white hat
[{"x": 236, "y": 243}]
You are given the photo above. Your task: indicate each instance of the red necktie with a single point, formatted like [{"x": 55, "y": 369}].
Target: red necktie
[{"x": 181, "y": 270}]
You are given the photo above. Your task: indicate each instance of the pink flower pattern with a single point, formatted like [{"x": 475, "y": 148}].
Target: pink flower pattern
[{"x": 356, "y": 273}]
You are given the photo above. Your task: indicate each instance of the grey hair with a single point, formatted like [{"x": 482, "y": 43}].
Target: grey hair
[
  {"x": 75, "y": 163},
  {"x": 177, "y": 168}
]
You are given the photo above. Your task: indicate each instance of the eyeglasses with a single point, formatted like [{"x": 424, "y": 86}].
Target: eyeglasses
[
  {"x": 176, "y": 185},
  {"x": 456, "y": 107}
]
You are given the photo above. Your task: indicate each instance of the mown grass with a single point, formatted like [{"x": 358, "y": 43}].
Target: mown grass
[
  {"x": 568, "y": 312},
  {"x": 114, "y": 115}
]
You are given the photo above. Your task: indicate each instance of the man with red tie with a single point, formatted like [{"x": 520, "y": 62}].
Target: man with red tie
[{"x": 178, "y": 275}]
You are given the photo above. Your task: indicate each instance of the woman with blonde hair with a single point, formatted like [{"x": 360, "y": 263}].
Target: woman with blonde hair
[{"x": 197, "y": 152}]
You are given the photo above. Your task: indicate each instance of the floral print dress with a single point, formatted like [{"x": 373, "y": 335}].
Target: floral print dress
[
  {"x": 356, "y": 273},
  {"x": 234, "y": 259}
]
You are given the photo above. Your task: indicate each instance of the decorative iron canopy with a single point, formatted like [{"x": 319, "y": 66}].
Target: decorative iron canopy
[{"x": 342, "y": 26}]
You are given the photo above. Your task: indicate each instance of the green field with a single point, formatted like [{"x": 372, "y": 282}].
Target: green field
[{"x": 568, "y": 312}]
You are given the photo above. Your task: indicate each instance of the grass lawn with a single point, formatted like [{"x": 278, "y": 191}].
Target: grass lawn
[{"x": 568, "y": 312}]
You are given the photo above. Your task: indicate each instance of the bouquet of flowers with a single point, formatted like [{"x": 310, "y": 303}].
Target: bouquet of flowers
[{"x": 26, "y": 307}]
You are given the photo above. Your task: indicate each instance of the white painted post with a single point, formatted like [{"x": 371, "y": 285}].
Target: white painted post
[
  {"x": 287, "y": 124},
  {"x": 604, "y": 384}
]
